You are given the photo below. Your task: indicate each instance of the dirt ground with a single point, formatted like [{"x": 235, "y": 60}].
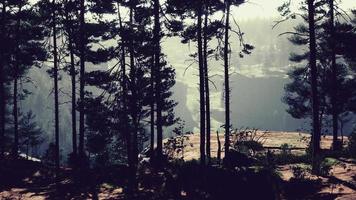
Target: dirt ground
[{"x": 270, "y": 140}]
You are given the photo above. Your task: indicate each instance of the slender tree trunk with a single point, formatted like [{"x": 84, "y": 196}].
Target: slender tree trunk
[
  {"x": 342, "y": 132},
  {"x": 206, "y": 77},
  {"x": 334, "y": 101},
  {"x": 152, "y": 105},
  {"x": 124, "y": 89},
  {"x": 15, "y": 114},
  {"x": 135, "y": 95},
  {"x": 226, "y": 77},
  {"x": 219, "y": 147},
  {"x": 2, "y": 111},
  {"x": 157, "y": 54},
  {"x": 27, "y": 147},
  {"x": 55, "y": 78},
  {"x": 2, "y": 87},
  {"x": 133, "y": 137},
  {"x": 314, "y": 75},
  {"x": 74, "y": 113},
  {"x": 82, "y": 79},
  {"x": 15, "y": 101},
  {"x": 201, "y": 85}
]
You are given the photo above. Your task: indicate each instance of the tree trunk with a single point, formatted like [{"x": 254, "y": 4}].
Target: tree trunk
[
  {"x": 15, "y": 114},
  {"x": 201, "y": 86},
  {"x": 157, "y": 54},
  {"x": 55, "y": 78},
  {"x": 206, "y": 77},
  {"x": 226, "y": 77},
  {"x": 126, "y": 130},
  {"x": 334, "y": 101},
  {"x": 2, "y": 89},
  {"x": 152, "y": 105},
  {"x": 219, "y": 147},
  {"x": 133, "y": 137},
  {"x": 15, "y": 100},
  {"x": 2, "y": 111},
  {"x": 74, "y": 113},
  {"x": 82, "y": 79},
  {"x": 314, "y": 75}
]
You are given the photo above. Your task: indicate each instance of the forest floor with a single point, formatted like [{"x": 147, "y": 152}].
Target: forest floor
[
  {"x": 341, "y": 182},
  {"x": 28, "y": 180}
]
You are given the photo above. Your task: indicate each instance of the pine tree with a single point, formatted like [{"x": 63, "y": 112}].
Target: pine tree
[
  {"x": 334, "y": 101},
  {"x": 70, "y": 27},
  {"x": 30, "y": 134},
  {"x": 2, "y": 82},
  {"x": 55, "y": 82},
  {"x": 299, "y": 92},
  {"x": 226, "y": 77},
  {"x": 25, "y": 34},
  {"x": 82, "y": 44},
  {"x": 157, "y": 75},
  {"x": 185, "y": 10},
  {"x": 246, "y": 49}
]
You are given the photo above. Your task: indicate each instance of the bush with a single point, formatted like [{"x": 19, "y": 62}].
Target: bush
[
  {"x": 174, "y": 147},
  {"x": 248, "y": 142},
  {"x": 286, "y": 149},
  {"x": 326, "y": 166},
  {"x": 299, "y": 172}
]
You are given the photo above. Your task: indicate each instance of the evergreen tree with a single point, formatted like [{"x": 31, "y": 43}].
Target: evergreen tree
[
  {"x": 30, "y": 134},
  {"x": 192, "y": 10},
  {"x": 245, "y": 49},
  {"x": 26, "y": 35},
  {"x": 81, "y": 49},
  {"x": 70, "y": 26}
]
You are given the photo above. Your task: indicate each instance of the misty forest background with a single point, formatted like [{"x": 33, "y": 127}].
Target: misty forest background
[{"x": 93, "y": 83}]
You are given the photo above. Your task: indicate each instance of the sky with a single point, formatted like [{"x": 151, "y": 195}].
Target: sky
[{"x": 268, "y": 8}]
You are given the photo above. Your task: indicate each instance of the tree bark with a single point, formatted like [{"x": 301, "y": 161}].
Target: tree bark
[
  {"x": 334, "y": 101},
  {"x": 201, "y": 85},
  {"x": 15, "y": 115},
  {"x": 133, "y": 142},
  {"x": 157, "y": 54},
  {"x": 124, "y": 90},
  {"x": 55, "y": 78},
  {"x": 82, "y": 80},
  {"x": 2, "y": 87},
  {"x": 226, "y": 78},
  {"x": 74, "y": 113},
  {"x": 2, "y": 110},
  {"x": 206, "y": 77},
  {"x": 152, "y": 105},
  {"x": 126, "y": 131},
  {"x": 314, "y": 75}
]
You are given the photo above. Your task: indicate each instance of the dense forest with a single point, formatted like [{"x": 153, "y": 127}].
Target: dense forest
[{"x": 139, "y": 99}]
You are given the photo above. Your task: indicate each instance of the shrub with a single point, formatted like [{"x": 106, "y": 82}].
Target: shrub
[
  {"x": 247, "y": 141},
  {"x": 299, "y": 172},
  {"x": 286, "y": 149},
  {"x": 326, "y": 166},
  {"x": 174, "y": 147}
]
